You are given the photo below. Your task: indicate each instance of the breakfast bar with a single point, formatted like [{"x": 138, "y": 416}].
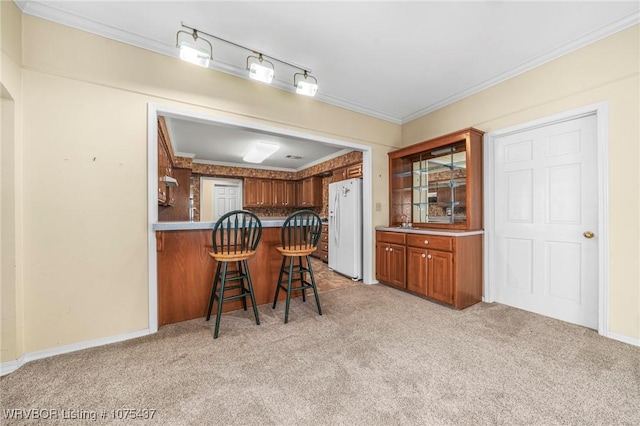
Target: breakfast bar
[{"x": 185, "y": 268}]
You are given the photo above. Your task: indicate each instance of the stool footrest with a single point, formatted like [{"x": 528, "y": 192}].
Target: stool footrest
[{"x": 234, "y": 297}]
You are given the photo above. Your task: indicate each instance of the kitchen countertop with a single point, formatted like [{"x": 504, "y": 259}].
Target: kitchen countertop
[
  {"x": 267, "y": 222},
  {"x": 428, "y": 231}
]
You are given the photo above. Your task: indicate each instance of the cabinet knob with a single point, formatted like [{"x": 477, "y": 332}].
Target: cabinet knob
[
  {"x": 424, "y": 255},
  {"x": 390, "y": 249},
  {"x": 386, "y": 249},
  {"x": 429, "y": 256},
  {"x": 426, "y": 241}
]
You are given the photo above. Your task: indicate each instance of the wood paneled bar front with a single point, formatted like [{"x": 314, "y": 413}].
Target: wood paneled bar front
[{"x": 185, "y": 269}]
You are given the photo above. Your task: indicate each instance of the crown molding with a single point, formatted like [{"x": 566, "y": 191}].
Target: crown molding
[
  {"x": 280, "y": 169},
  {"x": 592, "y": 37}
]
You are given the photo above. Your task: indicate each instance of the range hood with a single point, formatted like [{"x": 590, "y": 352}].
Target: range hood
[{"x": 169, "y": 181}]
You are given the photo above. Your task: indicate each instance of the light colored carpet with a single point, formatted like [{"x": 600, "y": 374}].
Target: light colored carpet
[{"x": 378, "y": 356}]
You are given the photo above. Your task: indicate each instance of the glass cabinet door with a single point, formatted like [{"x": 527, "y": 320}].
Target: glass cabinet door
[{"x": 439, "y": 185}]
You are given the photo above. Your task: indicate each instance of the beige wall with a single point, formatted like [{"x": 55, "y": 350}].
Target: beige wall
[
  {"x": 85, "y": 160},
  {"x": 11, "y": 306},
  {"x": 604, "y": 71}
]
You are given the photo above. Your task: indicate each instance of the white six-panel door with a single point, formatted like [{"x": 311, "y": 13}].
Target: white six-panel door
[
  {"x": 225, "y": 199},
  {"x": 546, "y": 221}
]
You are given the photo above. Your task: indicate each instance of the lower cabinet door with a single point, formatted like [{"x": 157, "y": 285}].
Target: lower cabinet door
[
  {"x": 382, "y": 262},
  {"x": 417, "y": 267},
  {"x": 440, "y": 272},
  {"x": 397, "y": 265}
]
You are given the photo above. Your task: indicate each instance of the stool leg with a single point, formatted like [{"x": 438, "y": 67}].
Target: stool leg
[
  {"x": 213, "y": 291},
  {"x": 220, "y": 298},
  {"x": 275, "y": 299},
  {"x": 304, "y": 296},
  {"x": 240, "y": 273},
  {"x": 286, "y": 311},
  {"x": 253, "y": 300},
  {"x": 313, "y": 284}
]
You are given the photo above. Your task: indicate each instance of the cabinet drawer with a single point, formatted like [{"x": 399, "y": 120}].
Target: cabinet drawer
[
  {"x": 436, "y": 242},
  {"x": 323, "y": 246},
  {"x": 324, "y": 237},
  {"x": 391, "y": 237},
  {"x": 324, "y": 256},
  {"x": 325, "y": 228}
]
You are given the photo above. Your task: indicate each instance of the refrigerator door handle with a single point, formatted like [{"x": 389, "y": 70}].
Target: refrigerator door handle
[{"x": 336, "y": 218}]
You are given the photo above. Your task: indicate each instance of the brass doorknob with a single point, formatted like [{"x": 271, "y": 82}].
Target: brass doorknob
[{"x": 588, "y": 234}]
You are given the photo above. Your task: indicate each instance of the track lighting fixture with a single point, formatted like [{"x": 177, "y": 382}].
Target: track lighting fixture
[
  {"x": 259, "y": 68},
  {"x": 259, "y": 72},
  {"x": 304, "y": 87},
  {"x": 191, "y": 52}
]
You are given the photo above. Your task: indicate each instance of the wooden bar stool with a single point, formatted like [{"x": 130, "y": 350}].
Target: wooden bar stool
[
  {"x": 299, "y": 238},
  {"x": 235, "y": 238}
]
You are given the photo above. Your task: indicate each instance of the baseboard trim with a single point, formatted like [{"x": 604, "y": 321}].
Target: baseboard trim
[
  {"x": 624, "y": 339},
  {"x": 11, "y": 366}
]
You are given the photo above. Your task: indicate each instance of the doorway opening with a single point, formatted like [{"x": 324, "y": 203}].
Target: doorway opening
[
  {"x": 218, "y": 196},
  {"x": 152, "y": 128}
]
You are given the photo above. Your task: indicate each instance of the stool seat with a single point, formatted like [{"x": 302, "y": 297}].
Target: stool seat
[
  {"x": 232, "y": 257},
  {"x": 299, "y": 238},
  {"x": 235, "y": 239},
  {"x": 296, "y": 250}
]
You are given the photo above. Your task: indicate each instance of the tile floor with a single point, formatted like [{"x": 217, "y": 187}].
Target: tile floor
[{"x": 327, "y": 280}]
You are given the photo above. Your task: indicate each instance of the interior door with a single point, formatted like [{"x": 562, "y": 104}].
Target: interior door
[
  {"x": 225, "y": 199},
  {"x": 546, "y": 221}
]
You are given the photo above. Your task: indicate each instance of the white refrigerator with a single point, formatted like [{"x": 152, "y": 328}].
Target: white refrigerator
[{"x": 345, "y": 227}]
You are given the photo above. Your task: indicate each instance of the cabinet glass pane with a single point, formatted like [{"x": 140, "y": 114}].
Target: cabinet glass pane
[
  {"x": 439, "y": 185},
  {"x": 401, "y": 183}
]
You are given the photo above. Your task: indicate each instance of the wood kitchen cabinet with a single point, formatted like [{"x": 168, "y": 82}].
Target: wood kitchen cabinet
[
  {"x": 258, "y": 192},
  {"x": 391, "y": 258},
  {"x": 438, "y": 183},
  {"x": 278, "y": 193},
  {"x": 179, "y": 209},
  {"x": 443, "y": 268},
  {"x": 311, "y": 192},
  {"x": 322, "y": 252},
  {"x": 166, "y": 188},
  {"x": 290, "y": 193},
  {"x": 284, "y": 193},
  {"x": 347, "y": 172},
  {"x": 430, "y": 273}
]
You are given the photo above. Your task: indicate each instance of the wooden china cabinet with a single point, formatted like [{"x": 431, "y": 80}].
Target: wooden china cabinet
[{"x": 433, "y": 245}]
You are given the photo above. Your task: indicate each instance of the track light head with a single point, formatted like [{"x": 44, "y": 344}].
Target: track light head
[
  {"x": 306, "y": 86},
  {"x": 192, "y": 52},
  {"x": 260, "y": 72}
]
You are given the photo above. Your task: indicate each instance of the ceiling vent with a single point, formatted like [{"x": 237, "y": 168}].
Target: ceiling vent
[{"x": 293, "y": 157}]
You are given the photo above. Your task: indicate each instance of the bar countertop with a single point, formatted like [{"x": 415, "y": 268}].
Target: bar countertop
[
  {"x": 428, "y": 231},
  {"x": 267, "y": 222}
]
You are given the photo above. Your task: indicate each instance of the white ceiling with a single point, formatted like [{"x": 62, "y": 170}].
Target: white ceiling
[
  {"x": 217, "y": 143},
  {"x": 391, "y": 60}
]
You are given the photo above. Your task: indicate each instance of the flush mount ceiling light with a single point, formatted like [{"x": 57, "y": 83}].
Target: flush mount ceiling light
[
  {"x": 260, "y": 72},
  {"x": 191, "y": 52},
  {"x": 260, "y": 151},
  {"x": 304, "y": 87}
]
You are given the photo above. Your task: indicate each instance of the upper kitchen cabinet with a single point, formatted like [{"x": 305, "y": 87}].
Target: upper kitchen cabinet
[
  {"x": 347, "y": 172},
  {"x": 438, "y": 183},
  {"x": 166, "y": 178},
  {"x": 258, "y": 192},
  {"x": 311, "y": 192},
  {"x": 284, "y": 193}
]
